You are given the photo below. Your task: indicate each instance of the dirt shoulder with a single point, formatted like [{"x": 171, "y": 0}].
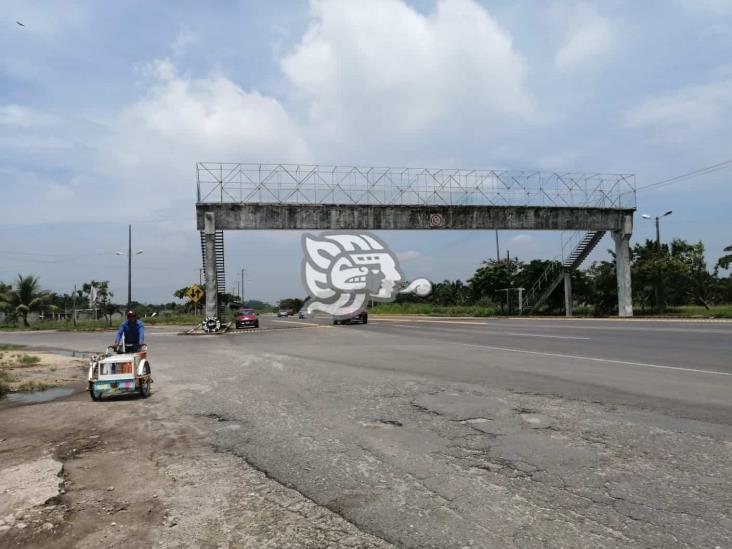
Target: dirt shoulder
[
  {"x": 136, "y": 473},
  {"x": 25, "y": 371}
]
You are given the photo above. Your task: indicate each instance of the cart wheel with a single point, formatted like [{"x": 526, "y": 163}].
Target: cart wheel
[
  {"x": 145, "y": 388},
  {"x": 95, "y": 395},
  {"x": 145, "y": 384}
]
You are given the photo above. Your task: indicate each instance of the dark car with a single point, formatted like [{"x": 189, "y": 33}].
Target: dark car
[
  {"x": 360, "y": 316},
  {"x": 247, "y": 318}
]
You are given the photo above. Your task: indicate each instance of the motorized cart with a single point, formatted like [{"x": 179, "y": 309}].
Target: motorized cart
[{"x": 119, "y": 372}]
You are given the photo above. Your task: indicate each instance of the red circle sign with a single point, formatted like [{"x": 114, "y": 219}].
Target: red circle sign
[{"x": 436, "y": 220}]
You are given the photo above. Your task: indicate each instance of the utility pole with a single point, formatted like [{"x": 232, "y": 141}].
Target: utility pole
[
  {"x": 129, "y": 255},
  {"x": 659, "y": 276},
  {"x": 658, "y": 235},
  {"x": 498, "y": 250},
  {"x": 242, "y": 285},
  {"x": 73, "y": 299},
  {"x": 129, "y": 267}
]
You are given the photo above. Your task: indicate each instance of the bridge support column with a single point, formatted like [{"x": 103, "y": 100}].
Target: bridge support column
[
  {"x": 568, "y": 292},
  {"x": 212, "y": 291},
  {"x": 622, "y": 266}
]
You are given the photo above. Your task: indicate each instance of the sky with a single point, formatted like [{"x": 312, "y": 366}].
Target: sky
[{"x": 105, "y": 107}]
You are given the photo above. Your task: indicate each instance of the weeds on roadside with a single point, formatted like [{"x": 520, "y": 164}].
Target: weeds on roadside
[
  {"x": 5, "y": 378},
  {"x": 32, "y": 386}
]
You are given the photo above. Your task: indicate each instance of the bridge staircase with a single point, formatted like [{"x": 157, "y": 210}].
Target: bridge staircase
[
  {"x": 220, "y": 271},
  {"x": 580, "y": 245}
]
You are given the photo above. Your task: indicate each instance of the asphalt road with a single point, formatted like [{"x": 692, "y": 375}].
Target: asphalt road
[{"x": 484, "y": 433}]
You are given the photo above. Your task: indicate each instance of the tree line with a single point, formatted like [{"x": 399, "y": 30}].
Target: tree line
[
  {"x": 672, "y": 274},
  {"x": 678, "y": 269},
  {"x": 25, "y": 295}
]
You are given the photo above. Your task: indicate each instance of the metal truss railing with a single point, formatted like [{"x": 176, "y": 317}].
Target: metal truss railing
[{"x": 310, "y": 184}]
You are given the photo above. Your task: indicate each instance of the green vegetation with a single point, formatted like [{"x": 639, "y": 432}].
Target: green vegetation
[
  {"x": 672, "y": 280},
  {"x": 432, "y": 310},
  {"x": 33, "y": 386},
  {"x": 28, "y": 360},
  {"x": 5, "y": 378},
  {"x": 22, "y": 298},
  {"x": 10, "y": 347}
]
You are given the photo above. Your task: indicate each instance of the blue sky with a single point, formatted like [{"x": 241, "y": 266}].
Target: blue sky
[{"x": 106, "y": 107}]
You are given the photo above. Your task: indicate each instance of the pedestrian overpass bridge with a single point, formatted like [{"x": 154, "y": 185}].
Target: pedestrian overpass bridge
[{"x": 238, "y": 196}]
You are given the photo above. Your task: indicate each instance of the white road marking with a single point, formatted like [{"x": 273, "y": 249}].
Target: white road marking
[
  {"x": 296, "y": 322},
  {"x": 590, "y": 358},
  {"x": 518, "y": 334},
  {"x": 506, "y": 323}
]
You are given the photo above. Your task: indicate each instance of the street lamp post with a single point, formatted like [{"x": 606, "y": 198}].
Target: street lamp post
[
  {"x": 243, "y": 272},
  {"x": 129, "y": 255},
  {"x": 659, "y": 278}
]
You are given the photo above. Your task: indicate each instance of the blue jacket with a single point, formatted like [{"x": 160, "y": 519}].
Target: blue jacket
[{"x": 134, "y": 334}]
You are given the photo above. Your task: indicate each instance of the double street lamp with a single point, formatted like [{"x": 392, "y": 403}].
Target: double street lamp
[
  {"x": 129, "y": 255},
  {"x": 658, "y": 230},
  {"x": 659, "y": 278}
]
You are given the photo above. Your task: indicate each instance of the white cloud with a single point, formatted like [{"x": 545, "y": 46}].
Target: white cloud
[
  {"x": 24, "y": 117},
  {"x": 684, "y": 113},
  {"x": 208, "y": 118},
  {"x": 56, "y": 192},
  {"x": 522, "y": 239},
  {"x": 381, "y": 67},
  {"x": 590, "y": 35},
  {"x": 183, "y": 40},
  {"x": 715, "y": 6},
  {"x": 408, "y": 255},
  {"x": 141, "y": 160}
]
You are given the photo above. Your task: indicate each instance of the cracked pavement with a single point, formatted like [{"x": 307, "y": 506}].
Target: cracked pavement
[{"x": 422, "y": 442}]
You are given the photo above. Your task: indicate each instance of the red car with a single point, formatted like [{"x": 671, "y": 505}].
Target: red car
[{"x": 247, "y": 318}]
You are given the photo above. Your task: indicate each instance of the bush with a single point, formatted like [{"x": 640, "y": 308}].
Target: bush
[
  {"x": 432, "y": 310},
  {"x": 5, "y": 378},
  {"x": 33, "y": 386}
]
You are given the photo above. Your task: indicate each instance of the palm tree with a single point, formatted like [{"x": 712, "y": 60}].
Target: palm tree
[
  {"x": 5, "y": 297},
  {"x": 725, "y": 260},
  {"x": 26, "y": 296}
]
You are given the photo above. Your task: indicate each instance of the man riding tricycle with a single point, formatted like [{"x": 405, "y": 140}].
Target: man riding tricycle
[{"x": 125, "y": 368}]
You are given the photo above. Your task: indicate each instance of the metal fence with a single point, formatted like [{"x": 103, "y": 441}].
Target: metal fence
[{"x": 311, "y": 184}]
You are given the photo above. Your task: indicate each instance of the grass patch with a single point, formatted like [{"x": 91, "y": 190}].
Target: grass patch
[
  {"x": 173, "y": 319},
  {"x": 97, "y": 325},
  {"x": 27, "y": 360},
  {"x": 33, "y": 386},
  {"x": 10, "y": 347},
  {"x": 6, "y": 377},
  {"x": 432, "y": 310},
  {"x": 714, "y": 311}
]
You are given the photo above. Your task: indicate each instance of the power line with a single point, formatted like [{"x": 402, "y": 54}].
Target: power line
[
  {"x": 683, "y": 177},
  {"x": 55, "y": 255}
]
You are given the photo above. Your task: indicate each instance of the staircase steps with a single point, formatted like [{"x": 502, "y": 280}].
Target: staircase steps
[
  {"x": 220, "y": 266},
  {"x": 553, "y": 275}
]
